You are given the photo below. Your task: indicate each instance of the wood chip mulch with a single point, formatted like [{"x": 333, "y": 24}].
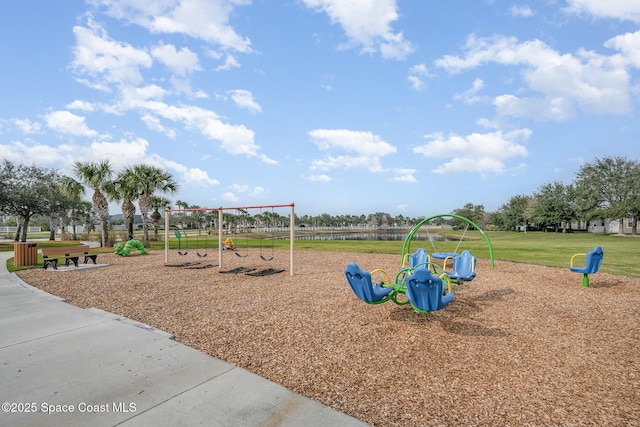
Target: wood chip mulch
[{"x": 519, "y": 345}]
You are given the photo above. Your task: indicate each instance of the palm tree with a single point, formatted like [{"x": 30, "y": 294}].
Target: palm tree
[
  {"x": 126, "y": 190},
  {"x": 74, "y": 191},
  {"x": 85, "y": 211},
  {"x": 150, "y": 179},
  {"x": 98, "y": 177},
  {"x": 157, "y": 203}
]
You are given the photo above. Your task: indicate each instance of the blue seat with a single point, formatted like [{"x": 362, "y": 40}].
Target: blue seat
[
  {"x": 592, "y": 264},
  {"x": 424, "y": 291},
  {"x": 464, "y": 267},
  {"x": 419, "y": 259},
  {"x": 360, "y": 282}
]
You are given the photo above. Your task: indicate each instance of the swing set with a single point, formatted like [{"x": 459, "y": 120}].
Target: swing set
[
  {"x": 227, "y": 244},
  {"x": 423, "y": 284}
]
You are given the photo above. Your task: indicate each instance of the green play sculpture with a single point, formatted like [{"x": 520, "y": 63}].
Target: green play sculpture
[{"x": 125, "y": 250}]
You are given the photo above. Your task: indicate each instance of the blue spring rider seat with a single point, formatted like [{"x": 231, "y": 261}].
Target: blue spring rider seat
[
  {"x": 464, "y": 267},
  {"x": 360, "y": 282},
  {"x": 592, "y": 264},
  {"x": 425, "y": 291}
]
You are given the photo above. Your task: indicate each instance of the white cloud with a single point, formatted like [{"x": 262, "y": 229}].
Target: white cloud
[
  {"x": 187, "y": 177},
  {"x": 154, "y": 124},
  {"x": 230, "y": 62},
  {"x": 244, "y": 99},
  {"x": 103, "y": 61},
  {"x": 37, "y": 153},
  {"x": 198, "y": 177},
  {"x": 558, "y": 83},
  {"x": 523, "y": 11},
  {"x": 67, "y": 123},
  {"x": 27, "y": 126},
  {"x": 403, "y": 175},
  {"x": 206, "y": 20},
  {"x": 319, "y": 178},
  {"x": 617, "y": 9},
  {"x": 181, "y": 61},
  {"x": 230, "y": 197},
  {"x": 232, "y": 139},
  {"x": 367, "y": 24},
  {"x": 367, "y": 148},
  {"x": 417, "y": 75},
  {"x": 239, "y": 188},
  {"x": 121, "y": 154},
  {"x": 629, "y": 47},
  {"x": 470, "y": 96},
  {"x": 479, "y": 153},
  {"x": 81, "y": 105},
  {"x": 257, "y": 191}
]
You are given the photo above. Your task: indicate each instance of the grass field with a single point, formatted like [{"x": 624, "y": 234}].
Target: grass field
[{"x": 622, "y": 253}]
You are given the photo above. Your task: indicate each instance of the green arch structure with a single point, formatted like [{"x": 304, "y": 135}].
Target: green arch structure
[
  {"x": 125, "y": 250},
  {"x": 406, "y": 246}
]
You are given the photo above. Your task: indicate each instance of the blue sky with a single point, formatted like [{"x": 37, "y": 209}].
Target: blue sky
[{"x": 342, "y": 107}]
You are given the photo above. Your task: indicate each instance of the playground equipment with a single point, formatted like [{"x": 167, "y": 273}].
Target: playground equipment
[
  {"x": 425, "y": 292},
  {"x": 206, "y": 249},
  {"x": 464, "y": 267},
  {"x": 125, "y": 250},
  {"x": 179, "y": 236},
  {"x": 426, "y": 286},
  {"x": 221, "y": 245},
  {"x": 593, "y": 260},
  {"x": 228, "y": 245}
]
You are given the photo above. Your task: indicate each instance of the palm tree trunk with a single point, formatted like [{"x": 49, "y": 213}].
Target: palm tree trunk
[
  {"x": 145, "y": 202},
  {"x": 129, "y": 212},
  {"x": 74, "y": 221},
  {"x": 53, "y": 224},
  {"x": 101, "y": 207}
]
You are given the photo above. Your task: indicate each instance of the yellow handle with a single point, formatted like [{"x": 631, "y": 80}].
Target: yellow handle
[
  {"x": 386, "y": 276},
  {"x": 571, "y": 264}
]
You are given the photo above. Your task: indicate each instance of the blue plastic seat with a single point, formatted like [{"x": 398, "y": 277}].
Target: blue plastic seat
[
  {"x": 592, "y": 264},
  {"x": 464, "y": 267},
  {"x": 424, "y": 291},
  {"x": 360, "y": 282},
  {"x": 420, "y": 258}
]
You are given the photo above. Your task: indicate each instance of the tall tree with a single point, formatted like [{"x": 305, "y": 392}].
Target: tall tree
[
  {"x": 514, "y": 212},
  {"x": 26, "y": 192},
  {"x": 151, "y": 179},
  {"x": 74, "y": 191},
  {"x": 97, "y": 176},
  {"x": 610, "y": 188},
  {"x": 126, "y": 190},
  {"x": 470, "y": 211},
  {"x": 553, "y": 205},
  {"x": 157, "y": 203}
]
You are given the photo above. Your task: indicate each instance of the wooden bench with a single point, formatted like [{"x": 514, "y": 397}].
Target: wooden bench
[{"x": 70, "y": 253}]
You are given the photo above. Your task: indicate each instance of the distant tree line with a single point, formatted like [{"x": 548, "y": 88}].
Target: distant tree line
[
  {"x": 608, "y": 188},
  {"x": 28, "y": 190}
]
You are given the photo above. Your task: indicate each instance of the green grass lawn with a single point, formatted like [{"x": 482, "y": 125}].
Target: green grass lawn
[{"x": 622, "y": 253}]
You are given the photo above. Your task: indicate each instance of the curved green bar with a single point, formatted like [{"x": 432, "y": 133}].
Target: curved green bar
[{"x": 406, "y": 246}]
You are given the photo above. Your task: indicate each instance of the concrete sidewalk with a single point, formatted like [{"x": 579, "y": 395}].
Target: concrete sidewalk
[{"x": 65, "y": 366}]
